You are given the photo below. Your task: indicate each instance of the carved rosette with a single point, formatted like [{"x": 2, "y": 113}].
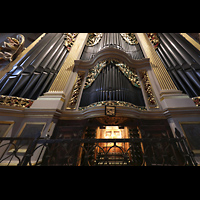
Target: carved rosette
[
  {"x": 15, "y": 101},
  {"x": 148, "y": 90}
]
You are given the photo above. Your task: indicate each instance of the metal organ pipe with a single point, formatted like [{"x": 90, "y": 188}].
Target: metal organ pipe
[
  {"x": 193, "y": 65},
  {"x": 35, "y": 72},
  {"x": 28, "y": 58},
  {"x": 112, "y": 40},
  {"x": 187, "y": 47},
  {"x": 185, "y": 70},
  {"x": 172, "y": 50}
]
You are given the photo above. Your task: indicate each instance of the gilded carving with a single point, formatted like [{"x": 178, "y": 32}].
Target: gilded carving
[
  {"x": 148, "y": 89},
  {"x": 129, "y": 38},
  {"x": 93, "y": 39},
  {"x": 69, "y": 40},
  {"x": 95, "y": 71},
  {"x": 153, "y": 37},
  {"x": 76, "y": 91},
  {"x": 130, "y": 74},
  {"x": 113, "y": 103},
  {"x": 196, "y": 101},
  {"x": 15, "y": 101},
  {"x": 12, "y": 47}
]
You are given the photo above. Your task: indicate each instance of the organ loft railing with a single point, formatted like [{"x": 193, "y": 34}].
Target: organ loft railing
[{"x": 131, "y": 151}]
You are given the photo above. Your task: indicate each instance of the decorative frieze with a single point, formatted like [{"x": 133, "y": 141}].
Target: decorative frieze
[{"x": 15, "y": 101}]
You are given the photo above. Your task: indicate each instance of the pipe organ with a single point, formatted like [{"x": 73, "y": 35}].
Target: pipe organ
[{"x": 72, "y": 87}]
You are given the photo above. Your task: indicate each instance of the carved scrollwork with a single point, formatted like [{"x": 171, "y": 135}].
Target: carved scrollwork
[
  {"x": 69, "y": 40},
  {"x": 93, "y": 39},
  {"x": 113, "y": 103},
  {"x": 93, "y": 73},
  {"x": 15, "y": 101},
  {"x": 130, "y": 74},
  {"x": 129, "y": 38},
  {"x": 12, "y": 47}
]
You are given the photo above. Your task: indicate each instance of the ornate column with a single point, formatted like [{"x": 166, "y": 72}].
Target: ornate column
[
  {"x": 165, "y": 88},
  {"x": 55, "y": 97}
]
